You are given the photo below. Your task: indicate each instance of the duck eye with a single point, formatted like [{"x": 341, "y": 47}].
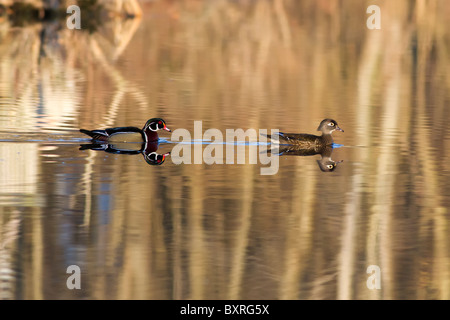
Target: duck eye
[
  {"x": 330, "y": 166},
  {"x": 331, "y": 124}
]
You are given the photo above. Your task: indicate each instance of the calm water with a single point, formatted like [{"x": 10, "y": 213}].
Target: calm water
[{"x": 225, "y": 231}]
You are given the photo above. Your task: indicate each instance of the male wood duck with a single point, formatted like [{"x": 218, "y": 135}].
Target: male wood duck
[
  {"x": 326, "y": 164},
  {"x": 148, "y": 133},
  {"x": 309, "y": 141},
  {"x": 154, "y": 158}
]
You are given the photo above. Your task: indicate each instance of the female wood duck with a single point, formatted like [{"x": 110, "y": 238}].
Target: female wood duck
[
  {"x": 309, "y": 141},
  {"x": 326, "y": 164},
  {"x": 129, "y": 134}
]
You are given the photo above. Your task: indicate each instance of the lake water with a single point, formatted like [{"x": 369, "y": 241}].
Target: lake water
[{"x": 376, "y": 227}]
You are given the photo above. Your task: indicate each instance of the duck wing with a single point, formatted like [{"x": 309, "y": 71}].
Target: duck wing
[
  {"x": 103, "y": 135},
  {"x": 111, "y": 131},
  {"x": 299, "y": 139}
]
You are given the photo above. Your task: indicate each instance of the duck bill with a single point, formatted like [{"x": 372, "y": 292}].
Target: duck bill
[
  {"x": 167, "y": 129},
  {"x": 164, "y": 156},
  {"x": 339, "y": 129}
]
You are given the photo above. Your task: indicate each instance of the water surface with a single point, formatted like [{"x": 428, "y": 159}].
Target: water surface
[{"x": 225, "y": 231}]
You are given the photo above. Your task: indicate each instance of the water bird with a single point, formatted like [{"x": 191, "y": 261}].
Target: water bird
[
  {"x": 148, "y": 133},
  {"x": 147, "y": 149},
  {"x": 309, "y": 141},
  {"x": 326, "y": 164}
]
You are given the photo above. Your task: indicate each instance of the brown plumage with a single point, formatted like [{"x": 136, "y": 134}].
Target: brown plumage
[
  {"x": 309, "y": 141},
  {"x": 326, "y": 164}
]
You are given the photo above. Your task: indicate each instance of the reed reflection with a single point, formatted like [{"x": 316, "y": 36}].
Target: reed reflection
[{"x": 226, "y": 231}]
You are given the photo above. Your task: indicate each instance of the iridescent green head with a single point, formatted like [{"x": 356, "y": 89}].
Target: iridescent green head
[
  {"x": 155, "y": 159},
  {"x": 156, "y": 124}
]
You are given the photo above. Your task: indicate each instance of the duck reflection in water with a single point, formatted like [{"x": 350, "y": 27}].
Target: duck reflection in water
[
  {"x": 148, "y": 150},
  {"x": 326, "y": 164},
  {"x": 302, "y": 144}
]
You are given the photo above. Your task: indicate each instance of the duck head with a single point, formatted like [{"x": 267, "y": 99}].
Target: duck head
[
  {"x": 155, "y": 159},
  {"x": 327, "y": 126},
  {"x": 328, "y": 165},
  {"x": 156, "y": 124}
]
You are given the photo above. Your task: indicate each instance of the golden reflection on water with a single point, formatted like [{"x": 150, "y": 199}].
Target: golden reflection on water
[{"x": 226, "y": 231}]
